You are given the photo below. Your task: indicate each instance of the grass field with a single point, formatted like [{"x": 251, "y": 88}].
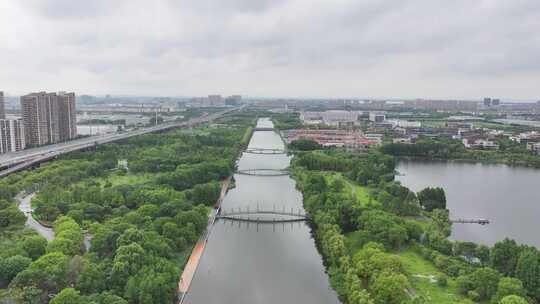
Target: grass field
[
  {"x": 421, "y": 273},
  {"x": 433, "y": 123},
  {"x": 361, "y": 193},
  {"x": 128, "y": 179}
]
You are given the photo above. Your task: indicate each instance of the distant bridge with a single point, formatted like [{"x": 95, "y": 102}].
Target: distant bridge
[
  {"x": 262, "y": 216},
  {"x": 264, "y": 172},
  {"x": 265, "y": 151},
  {"x": 263, "y": 129},
  {"x": 471, "y": 221}
]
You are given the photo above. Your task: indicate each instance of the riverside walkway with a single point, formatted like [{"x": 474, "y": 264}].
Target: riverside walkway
[{"x": 191, "y": 266}]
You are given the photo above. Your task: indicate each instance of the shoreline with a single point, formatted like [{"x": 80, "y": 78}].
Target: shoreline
[
  {"x": 198, "y": 250},
  {"x": 466, "y": 161}
]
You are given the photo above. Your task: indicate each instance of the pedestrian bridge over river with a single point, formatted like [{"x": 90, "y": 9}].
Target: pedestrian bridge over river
[
  {"x": 265, "y": 151},
  {"x": 263, "y": 129},
  {"x": 264, "y": 172},
  {"x": 263, "y": 216}
]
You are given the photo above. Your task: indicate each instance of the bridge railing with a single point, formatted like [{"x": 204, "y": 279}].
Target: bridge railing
[
  {"x": 260, "y": 172},
  {"x": 470, "y": 221},
  {"x": 283, "y": 211},
  {"x": 265, "y": 151}
]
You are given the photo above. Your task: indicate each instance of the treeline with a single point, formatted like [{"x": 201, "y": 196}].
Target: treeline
[
  {"x": 286, "y": 121},
  {"x": 374, "y": 274},
  {"x": 443, "y": 148},
  {"x": 141, "y": 222}
]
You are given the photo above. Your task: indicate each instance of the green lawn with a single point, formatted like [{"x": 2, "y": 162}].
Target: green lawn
[
  {"x": 361, "y": 193},
  {"x": 421, "y": 270},
  {"x": 128, "y": 179},
  {"x": 433, "y": 123}
]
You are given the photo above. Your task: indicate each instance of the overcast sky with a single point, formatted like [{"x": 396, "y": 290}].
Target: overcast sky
[{"x": 305, "y": 48}]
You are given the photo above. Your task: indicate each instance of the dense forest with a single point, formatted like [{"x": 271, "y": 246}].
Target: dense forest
[
  {"x": 140, "y": 220},
  {"x": 379, "y": 239}
]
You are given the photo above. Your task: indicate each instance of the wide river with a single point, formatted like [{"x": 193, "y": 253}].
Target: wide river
[
  {"x": 508, "y": 196},
  {"x": 261, "y": 263}
]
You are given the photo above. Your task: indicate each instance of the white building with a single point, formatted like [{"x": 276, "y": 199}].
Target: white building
[
  {"x": 377, "y": 117},
  {"x": 335, "y": 118},
  {"x": 405, "y": 123}
]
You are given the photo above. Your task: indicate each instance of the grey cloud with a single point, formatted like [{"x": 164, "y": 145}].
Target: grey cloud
[
  {"x": 299, "y": 47},
  {"x": 71, "y": 9}
]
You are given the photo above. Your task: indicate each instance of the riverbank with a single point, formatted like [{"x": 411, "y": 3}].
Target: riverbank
[
  {"x": 445, "y": 149},
  {"x": 507, "y": 162},
  {"x": 191, "y": 266}
]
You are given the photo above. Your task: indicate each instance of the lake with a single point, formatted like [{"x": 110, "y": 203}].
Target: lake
[{"x": 508, "y": 196}]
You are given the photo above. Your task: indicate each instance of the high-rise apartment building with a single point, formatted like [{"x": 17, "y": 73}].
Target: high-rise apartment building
[
  {"x": 2, "y": 106},
  {"x": 67, "y": 116},
  {"x": 11, "y": 136},
  {"x": 34, "y": 115},
  {"x": 48, "y": 118}
]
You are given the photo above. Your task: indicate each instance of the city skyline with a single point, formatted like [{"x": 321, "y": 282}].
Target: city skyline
[{"x": 418, "y": 49}]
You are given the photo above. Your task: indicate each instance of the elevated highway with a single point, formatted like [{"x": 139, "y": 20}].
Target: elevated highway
[{"x": 16, "y": 161}]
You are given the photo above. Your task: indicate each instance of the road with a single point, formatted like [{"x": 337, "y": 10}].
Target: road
[
  {"x": 16, "y": 161},
  {"x": 24, "y": 203}
]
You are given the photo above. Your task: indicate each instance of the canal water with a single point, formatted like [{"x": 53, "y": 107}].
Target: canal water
[
  {"x": 261, "y": 263},
  {"x": 508, "y": 196}
]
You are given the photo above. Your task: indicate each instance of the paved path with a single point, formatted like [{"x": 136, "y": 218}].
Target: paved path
[
  {"x": 198, "y": 250},
  {"x": 24, "y": 204}
]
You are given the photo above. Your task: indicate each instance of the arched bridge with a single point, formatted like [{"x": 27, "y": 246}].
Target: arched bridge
[
  {"x": 264, "y": 151},
  {"x": 263, "y": 172},
  {"x": 471, "y": 221},
  {"x": 263, "y": 216}
]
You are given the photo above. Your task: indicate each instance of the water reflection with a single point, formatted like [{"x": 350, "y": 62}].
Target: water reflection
[
  {"x": 508, "y": 196},
  {"x": 259, "y": 227}
]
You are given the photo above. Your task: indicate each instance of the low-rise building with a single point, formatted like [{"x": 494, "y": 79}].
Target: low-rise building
[
  {"x": 400, "y": 123},
  {"x": 335, "y": 118},
  {"x": 527, "y": 137},
  {"x": 334, "y": 138},
  {"x": 534, "y": 147},
  {"x": 377, "y": 117},
  {"x": 402, "y": 140},
  {"x": 479, "y": 143}
]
